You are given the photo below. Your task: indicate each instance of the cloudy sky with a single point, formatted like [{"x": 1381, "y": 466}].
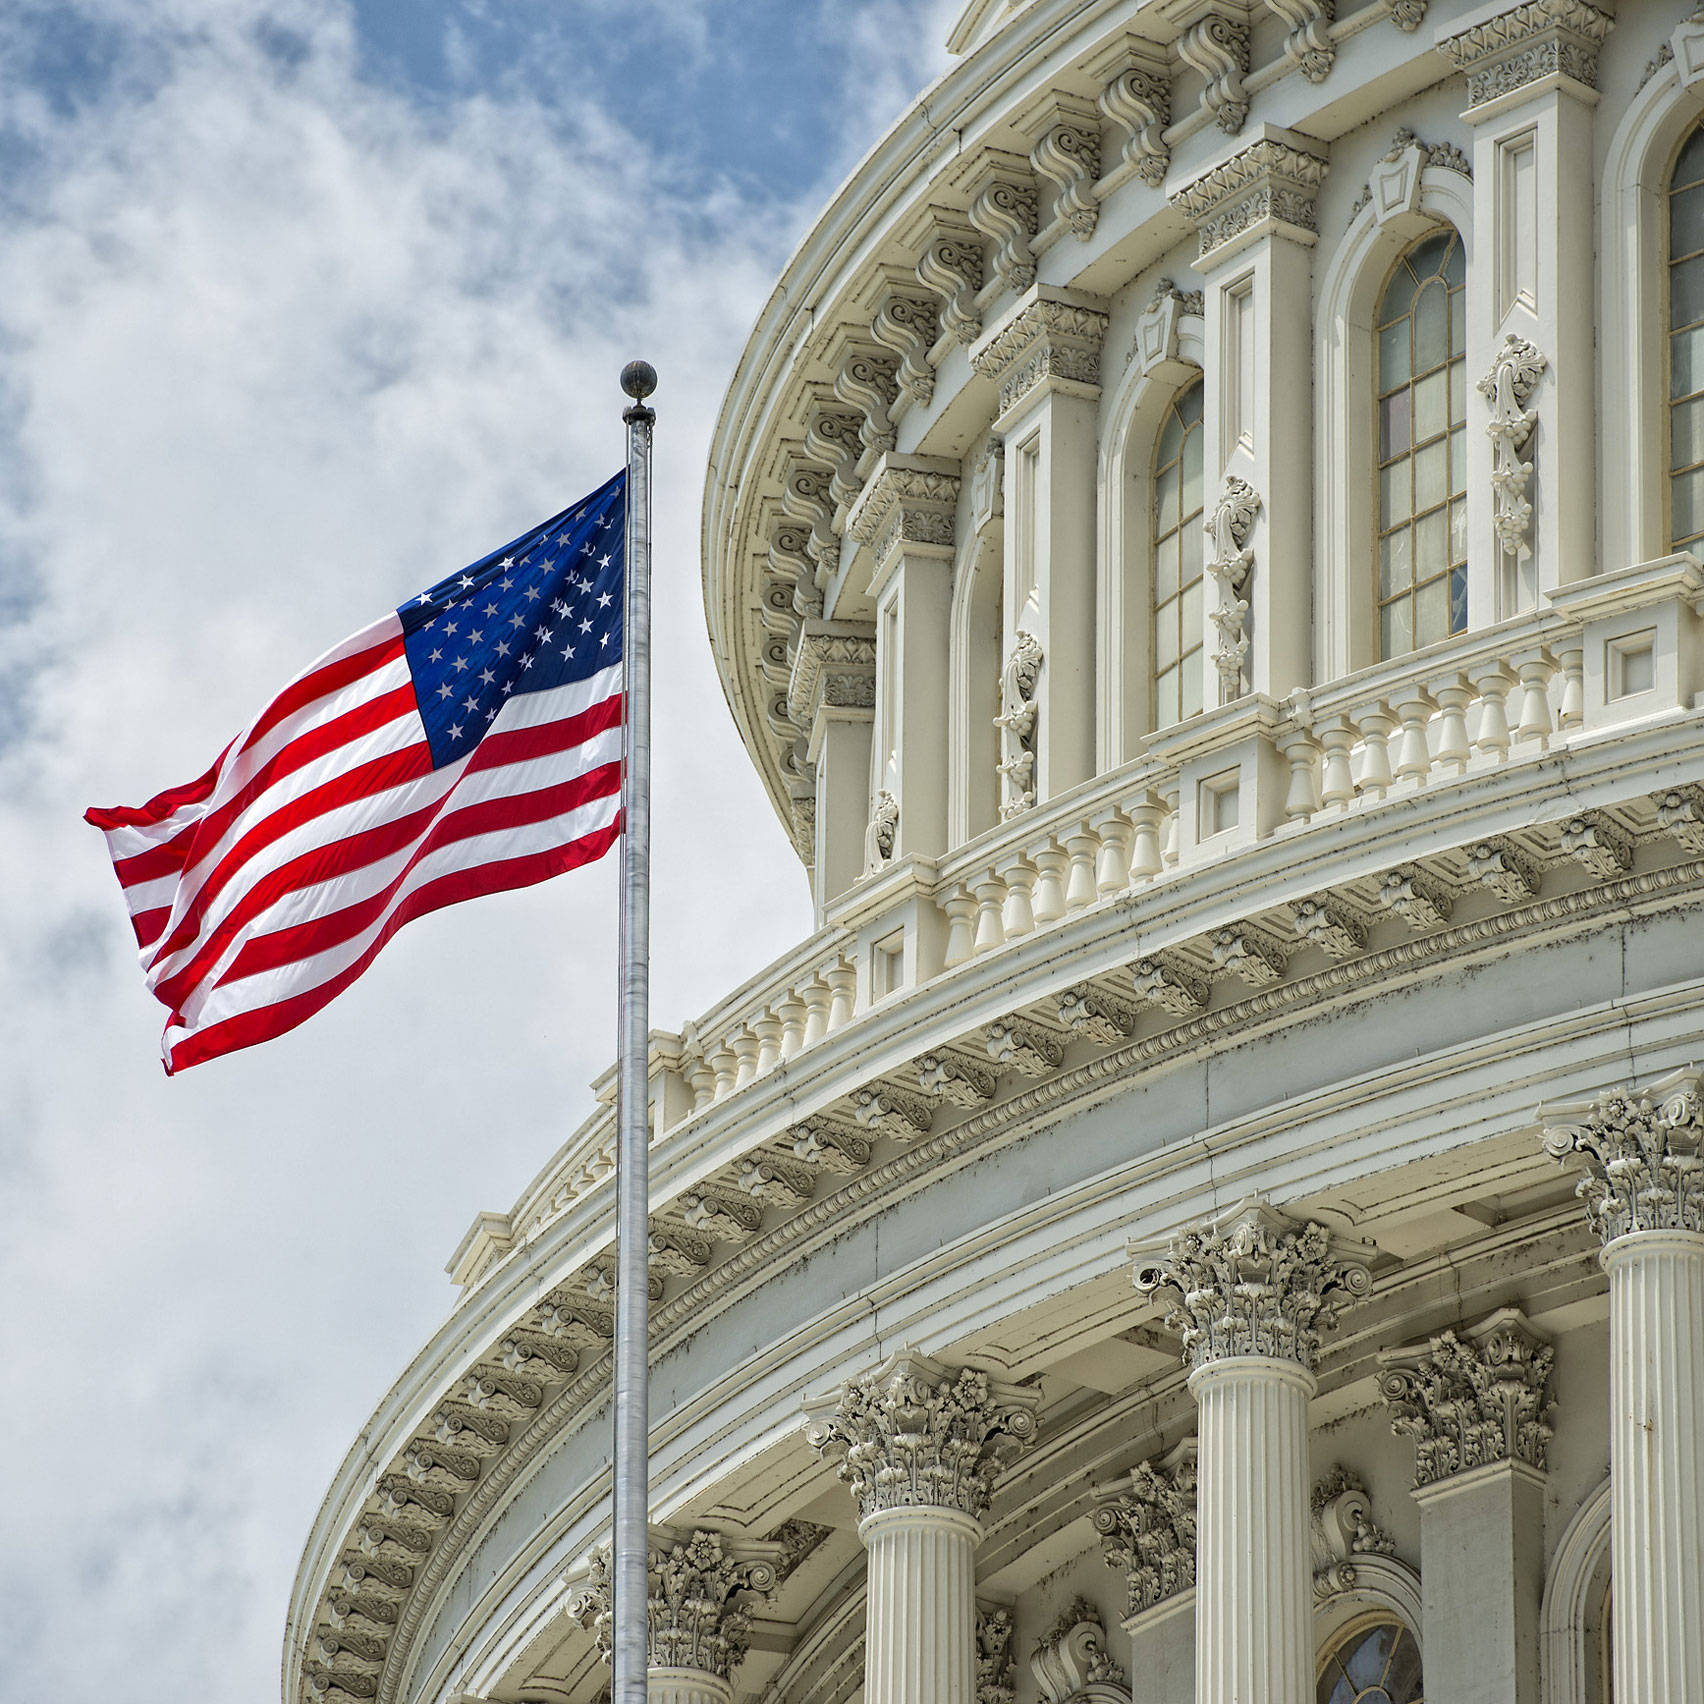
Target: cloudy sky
[{"x": 304, "y": 303}]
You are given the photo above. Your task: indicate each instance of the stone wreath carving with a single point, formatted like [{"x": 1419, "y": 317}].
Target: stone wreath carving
[
  {"x": 1508, "y": 387},
  {"x": 1019, "y": 712},
  {"x": 1230, "y": 561}
]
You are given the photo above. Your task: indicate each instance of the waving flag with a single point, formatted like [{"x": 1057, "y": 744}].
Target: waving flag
[{"x": 466, "y": 743}]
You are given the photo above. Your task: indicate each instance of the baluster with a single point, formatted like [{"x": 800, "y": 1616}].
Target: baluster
[
  {"x": 960, "y": 907},
  {"x": 1377, "y": 724},
  {"x": 1492, "y": 735},
  {"x": 990, "y": 899},
  {"x": 1413, "y": 755},
  {"x": 727, "y": 1069},
  {"x": 1146, "y": 818},
  {"x": 702, "y": 1080},
  {"x": 1018, "y": 918},
  {"x": 1049, "y": 901},
  {"x": 1535, "y": 668},
  {"x": 1170, "y": 853},
  {"x": 1573, "y": 710},
  {"x": 843, "y": 988},
  {"x": 1301, "y": 751},
  {"x": 1112, "y": 866},
  {"x": 767, "y": 1028},
  {"x": 745, "y": 1046},
  {"x": 1080, "y": 887},
  {"x": 1338, "y": 736},
  {"x": 816, "y": 1010},
  {"x": 792, "y": 1011},
  {"x": 1452, "y": 695}
]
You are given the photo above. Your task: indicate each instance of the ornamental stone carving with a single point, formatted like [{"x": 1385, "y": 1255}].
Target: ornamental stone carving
[
  {"x": 806, "y": 497},
  {"x": 1680, "y": 815},
  {"x": 907, "y": 325},
  {"x": 879, "y": 835},
  {"x": 915, "y": 1434},
  {"x": 994, "y": 1656},
  {"x": 1071, "y": 1659},
  {"x": 1526, "y": 43},
  {"x": 1138, "y": 101},
  {"x": 1216, "y": 45},
  {"x": 1641, "y": 1152},
  {"x": 909, "y": 501},
  {"x": 1157, "y": 329},
  {"x": 1253, "y": 1282},
  {"x": 1051, "y": 339},
  {"x": 699, "y": 1587},
  {"x": 1022, "y": 1047},
  {"x": 1067, "y": 155},
  {"x": 951, "y": 267},
  {"x": 868, "y": 382},
  {"x": 1147, "y": 1528},
  {"x": 834, "y": 664},
  {"x": 1020, "y": 707},
  {"x": 1472, "y": 1400},
  {"x": 1342, "y": 1530},
  {"x": 1308, "y": 46},
  {"x": 1004, "y": 210},
  {"x": 1508, "y": 387},
  {"x": 1230, "y": 562},
  {"x": 1270, "y": 186}
]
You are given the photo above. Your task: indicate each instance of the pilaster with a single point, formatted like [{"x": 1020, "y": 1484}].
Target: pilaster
[
  {"x": 832, "y": 693},
  {"x": 1044, "y": 358},
  {"x": 1250, "y": 1294},
  {"x": 1531, "y": 70},
  {"x": 1643, "y": 1153},
  {"x": 1478, "y": 1408},
  {"x": 1254, "y": 215},
  {"x": 921, "y": 1447},
  {"x": 905, "y": 515}
]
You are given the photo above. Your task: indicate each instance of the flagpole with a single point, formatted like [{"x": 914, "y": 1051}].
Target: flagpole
[{"x": 632, "y": 1301}]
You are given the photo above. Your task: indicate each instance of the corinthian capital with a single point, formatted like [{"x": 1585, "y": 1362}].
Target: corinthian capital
[
  {"x": 1253, "y": 1282},
  {"x": 1641, "y": 1150},
  {"x": 1472, "y": 1400},
  {"x": 698, "y": 1588},
  {"x": 915, "y": 1434},
  {"x": 1147, "y": 1528}
]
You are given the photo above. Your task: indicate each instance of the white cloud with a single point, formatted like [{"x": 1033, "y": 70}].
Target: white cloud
[{"x": 277, "y": 347}]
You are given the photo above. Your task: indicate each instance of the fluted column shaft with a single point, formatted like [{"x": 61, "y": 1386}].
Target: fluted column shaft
[
  {"x": 920, "y": 1619},
  {"x": 1254, "y": 1579},
  {"x": 685, "y": 1686},
  {"x": 1656, "y": 1339}
]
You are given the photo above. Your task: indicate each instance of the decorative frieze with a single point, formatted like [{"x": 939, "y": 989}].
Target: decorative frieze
[
  {"x": 1071, "y": 1659},
  {"x": 1527, "y": 44},
  {"x": 951, "y": 267},
  {"x": 1147, "y": 1528},
  {"x": 1004, "y": 209},
  {"x": 1230, "y": 562},
  {"x": 1253, "y": 1282},
  {"x": 1641, "y": 1152},
  {"x": 1138, "y": 101},
  {"x": 915, "y": 1434},
  {"x": 907, "y": 502},
  {"x": 1020, "y": 1046},
  {"x": 908, "y": 326},
  {"x": 1308, "y": 46},
  {"x": 994, "y": 1655},
  {"x": 1049, "y": 340},
  {"x": 1508, "y": 387},
  {"x": 1472, "y": 1400},
  {"x": 1343, "y": 1530},
  {"x": 700, "y": 1587},
  {"x": 1270, "y": 187},
  {"x": 1216, "y": 45}
]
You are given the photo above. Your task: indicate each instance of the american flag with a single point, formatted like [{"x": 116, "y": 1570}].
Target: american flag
[{"x": 466, "y": 743}]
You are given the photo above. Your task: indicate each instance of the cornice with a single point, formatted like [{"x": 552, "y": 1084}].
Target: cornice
[
  {"x": 1269, "y": 188},
  {"x": 1521, "y": 45}
]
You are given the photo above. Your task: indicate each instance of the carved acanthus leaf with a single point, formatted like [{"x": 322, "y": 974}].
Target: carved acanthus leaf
[
  {"x": 1073, "y": 1656},
  {"x": 1023, "y": 1047},
  {"x": 1147, "y": 1528},
  {"x": 1508, "y": 387}
]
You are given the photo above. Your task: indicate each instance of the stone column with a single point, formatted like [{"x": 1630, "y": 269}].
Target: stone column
[
  {"x": 1644, "y": 1190},
  {"x": 1147, "y": 1528},
  {"x": 1478, "y": 1408},
  {"x": 1251, "y": 1293},
  {"x": 921, "y": 1447},
  {"x": 699, "y": 1587}
]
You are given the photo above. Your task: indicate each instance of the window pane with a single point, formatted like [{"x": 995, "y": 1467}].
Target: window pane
[
  {"x": 1689, "y": 168},
  {"x": 1398, "y": 296},
  {"x": 1686, "y": 222},
  {"x": 1686, "y": 504},
  {"x": 1686, "y": 292},
  {"x": 1425, "y": 258},
  {"x": 1432, "y": 475},
  {"x": 1190, "y": 621},
  {"x": 1403, "y": 1680},
  {"x": 1189, "y": 686},
  {"x": 1431, "y": 406},
  {"x": 1393, "y": 355},
  {"x": 1171, "y": 438},
  {"x": 1455, "y": 267},
  {"x": 1189, "y": 404},
  {"x": 1432, "y": 613},
  {"x": 1686, "y": 433},
  {"x": 1165, "y": 499},
  {"x": 1165, "y": 638},
  {"x": 1165, "y": 699},
  {"x": 1458, "y": 322},
  {"x": 1458, "y": 534},
  {"x": 1393, "y": 493},
  {"x": 1193, "y": 540},
  {"x": 1192, "y": 475},
  {"x": 1431, "y": 545},
  {"x": 1395, "y": 571},
  {"x": 1366, "y": 1663},
  {"x": 1393, "y": 630},
  {"x": 1458, "y": 459},
  {"x": 1393, "y": 426},
  {"x": 1431, "y": 328},
  {"x": 1686, "y": 362},
  {"x": 1458, "y": 392},
  {"x": 1165, "y": 569},
  {"x": 1458, "y": 600}
]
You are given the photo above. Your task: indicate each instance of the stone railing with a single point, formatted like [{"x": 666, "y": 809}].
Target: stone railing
[{"x": 1231, "y": 779}]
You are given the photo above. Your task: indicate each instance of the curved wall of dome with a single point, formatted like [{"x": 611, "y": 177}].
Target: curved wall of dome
[{"x": 1203, "y": 549}]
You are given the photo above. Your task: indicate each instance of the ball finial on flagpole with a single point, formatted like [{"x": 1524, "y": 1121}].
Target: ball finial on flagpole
[{"x": 638, "y": 379}]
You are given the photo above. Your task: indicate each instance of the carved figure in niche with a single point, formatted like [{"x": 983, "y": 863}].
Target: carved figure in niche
[
  {"x": 1230, "y": 562},
  {"x": 1019, "y": 710}
]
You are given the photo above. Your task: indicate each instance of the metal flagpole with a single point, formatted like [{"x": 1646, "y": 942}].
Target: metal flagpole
[{"x": 632, "y": 1311}]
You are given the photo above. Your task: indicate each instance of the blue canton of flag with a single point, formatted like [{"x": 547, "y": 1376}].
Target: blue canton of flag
[{"x": 540, "y": 612}]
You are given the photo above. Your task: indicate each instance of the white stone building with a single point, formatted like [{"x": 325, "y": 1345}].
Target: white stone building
[{"x": 1199, "y": 546}]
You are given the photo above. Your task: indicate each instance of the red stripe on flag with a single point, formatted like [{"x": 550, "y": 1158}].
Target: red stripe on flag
[{"x": 161, "y": 806}]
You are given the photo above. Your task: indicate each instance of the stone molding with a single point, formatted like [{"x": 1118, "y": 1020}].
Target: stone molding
[
  {"x": 913, "y": 1434},
  {"x": 1049, "y": 339},
  {"x": 1071, "y": 1657},
  {"x": 1526, "y": 43},
  {"x": 1472, "y": 1400},
  {"x": 905, "y": 502},
  {"x": 994, "y": 1655},
  {"x": 699, "y": 1588},
  {"x": 834, "y": 664},
  {"x": 1343, "y": 1529},
  {"x": 1253, "y": 1282},
  {"x": 1641, "y": 1149},
  {"x": 1216, "y": 45},
  {"x": 1147, "y": 1528},
  {"x": 1270, "y": 188}
]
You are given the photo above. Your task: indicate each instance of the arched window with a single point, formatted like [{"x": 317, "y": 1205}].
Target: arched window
[
  {"x": 1177, "y": 542},
  {"x": 1421, "y": 327},
  {"x": 1686, "y": 344},
  {"x": 1372, "y": 1663}
]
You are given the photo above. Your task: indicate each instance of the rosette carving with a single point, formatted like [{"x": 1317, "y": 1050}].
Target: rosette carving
[
  {"x": 915, "y": 1434},
  {"x": 1641, "y": 1151},
  {"x": 1253, "y": 1283}
]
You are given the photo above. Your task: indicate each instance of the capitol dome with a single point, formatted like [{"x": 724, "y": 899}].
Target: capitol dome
[{"x": 1202, "y": 547}]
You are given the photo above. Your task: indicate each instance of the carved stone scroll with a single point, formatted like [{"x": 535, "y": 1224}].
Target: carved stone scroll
[
  {"x": 1508, "y": 387},
  {"x": 1217, "y": 46},
  {"x": 1230, "y": 561}
]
